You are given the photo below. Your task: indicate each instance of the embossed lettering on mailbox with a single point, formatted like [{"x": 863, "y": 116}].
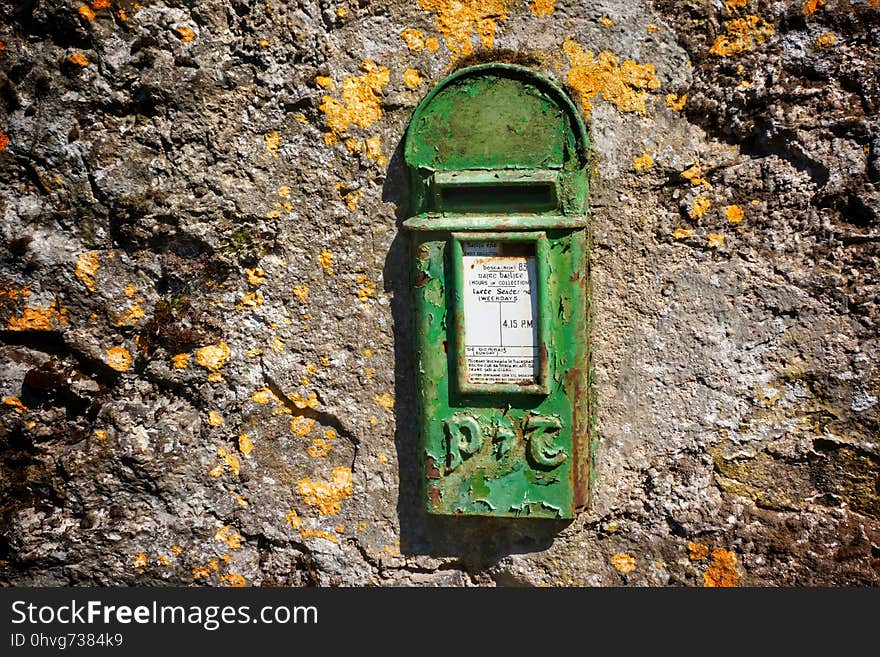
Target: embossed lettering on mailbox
[{"x": 497, "y": 157}]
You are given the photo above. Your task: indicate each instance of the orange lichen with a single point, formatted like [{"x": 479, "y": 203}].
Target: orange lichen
[
  {"x": 86, "y": 12},
  {"x": 101, "y": 435},
  {"x": 697, "y": 551},
  {"x": 382, "y": 457},
  {"x": 255, "y": 276},
  {"x": 742, "y": 34},
  {"x": 826, "y": 40},
  {"x": 325, "y": 82},
  {"x": 264, "y": 396},
  {"x": 214, "y": 418},
  {"x": 301, "y": 292},
  {"x": 714, "y": 240},
  {"x": 624, "y": 563},
  {"x": 230, "y": 461},
  {"x": 273, "y": 143},
  {"x": 200, "y": 572},
  {"x": 319, "y": 448},
  {"x": 682, "y": 233},
  {"x": 180, "y": 361},
  {"x": 385, "y": 400},
  {"x": 360, "y": 104},
  {"x": 373, "y": 149},
  {"x": 86, "y": 267},
  {"x": 38, "y": 318},
  {"x": 342, "y": 12},
  {"x": 412, "y": 78},
  {"x": 234, "y": 580},
  {"x": 277, "y": 344},
  {"x": 605, "y": 21},
  {"x": 643, "y": 162},
  {"x": 15, "y": 403},
  {"x": 652, "y": 29},
  {"x": 79, "y": 59},
  {"x": 176, "y": 550},
  {"x": 250, "y": 301},
  {"x": 130, "y": 290},
  {"x": 367, "y": 289},
  {"x": 413, "y": 39},
  {"x": 229, "y": 535},
  {"x": 140, "y": 561},
  {"x": 433, "y": 44},
  {"x": 327, "y": 496},
  {"x": 458, "y": 19},
  {"x": 733, "y": 5},
  {"x": 369, "y": 373},
  {"x": 812, "y": 6},
  {"x": 734, "y": 214},
  {"x": 317, "y": 533},
  {"x": 100, "y": 4},
  {"x": 304, "y": 402},
  {"x": 722, "y": 569},
  {"x": 324, "y": 360},
  {"x": 542, "y": 7},
  {"x": 245, "y": 444},
  {"x": 213, "y": 356},
  {"x": 325, "y": 259},
  {"x": 392, "y": 550},
  {"x": 694, "y": 175},
  {"x": 353, "y": 146},
  {"x": 293, "y": 518},
  {"x": 301, "y": 425},
  {"x": 699, "y": 208},
  {"x": 624, "y": 85},
  {"x": 351, "y": 200},
  {"x": 4, "y": 140},
  {"x": 163, "y": 560},
  {"x": 186, "y": 33},
  {"x": 676, "y": 103},
  {"x": 131, "y": 315},
  {"x": 118, "y": 358}
]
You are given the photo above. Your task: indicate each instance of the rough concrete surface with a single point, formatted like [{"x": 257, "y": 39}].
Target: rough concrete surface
[{"x": 205, "y": 350}]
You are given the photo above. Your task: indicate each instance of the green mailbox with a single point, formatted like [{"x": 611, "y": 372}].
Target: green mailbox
[{"x": 498, "y": 157}]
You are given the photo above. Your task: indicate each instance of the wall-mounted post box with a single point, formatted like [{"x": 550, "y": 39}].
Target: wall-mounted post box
[{"x": 498, "y": 158}]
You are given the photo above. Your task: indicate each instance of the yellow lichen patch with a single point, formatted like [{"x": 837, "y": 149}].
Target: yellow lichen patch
[
  {"x": 351, "y": 200},
  {"x": 734, "y": 214},
  {"x": 86, "y": 12},
  {"x": 342, "y": 13},
  {"x": 229, "y": 535},
  {"x": 812, "y": 6},
  {"x": 652, "y": 29},
  {"x": 186, "y": 33},
  {"x": 542, "y": 7},
  {"x": 301, "y": 292},
  {"x": 163, "y": 560},
  {"x": 458, "y": 19},
  {"x": 360, "y": 104},
  {"x": 273, "y": 143},
  {"x": 382, "y": 457},
  {"x": 826, "y": 40},
  {"x": 432, "y": 44},
  {"x": 327, "y": 496},
  {"x": 700, "y": 206},
  {"x": 200, "y": 572},
  {"x": 283, "y": 192},
  {"x": 325, "y": 82},
  {"x": 392, "y": 550},
  {"x": 714, "y": 240},
  {"x": 214, "y": 564},
  {"x": 605, "y": 21},
  {"x": 413, "y": 39},
  {"x": 362, "y": 526},
  {"x": 304, "y": 402},
  {"x": 373, "y": 147},
  {"x": 412, "y": 78},
  {"x": 301, "y": 425},
  {"x": 369, "y": 373},
  {"x": 86, "y": 267},
  {"x": 697, "y": 551},
  {"x": 38, "y": 318},
  {"x": 367, "y": 289},
  {"x": 682, "y": 233},
  {"x": 695, "y": 176},
  {"x": 241, "y": 501},
  {"x": 264, "y": 396},
  {"x": 213, "y": 356},
  {"x": 324, "y": 360},
  {"x": 676, "y": 102},
  {"x": 624, "y": 85},
  {"x": 353, "y": 146},
  {"x": 230, "y": 461},
  {"x": 234, "y": 580},
  {"x": 176, "y": 550},
  {"x": 130, "y": 290},
  {"x": 140, "y": 561},
  {"x": 245, "y": 444},
  {"x": 733, "y": 5},
  {"x": 742, "y": 34},
  {"x": 15, "y": 403},
  {"x": 131, "y": 315},
  {"x": 385, "y": 400},
  {"x": 317, "y": 533},
  {"x": 624, "y": 563},
  {"x": 79, "y": 59},
  {"x": 277, "y": 344},
  {"x": 101, "y": 435},
  {"x": 325, "y": 259},
  {"x": 319, "y": 448},
  {"x": 722, "y": 569},
  {"x": 118, "y": 358},
  {"x": 250, "y": 301},
  {"x": 255, "y": 276},
  {"x": 643, "y": 162},
  {"x": 293, "y": 518},
  {"x": 368, "y": 353},
  {"x": 180, "y": 361},
  {"x": 214, "y": 418}
]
